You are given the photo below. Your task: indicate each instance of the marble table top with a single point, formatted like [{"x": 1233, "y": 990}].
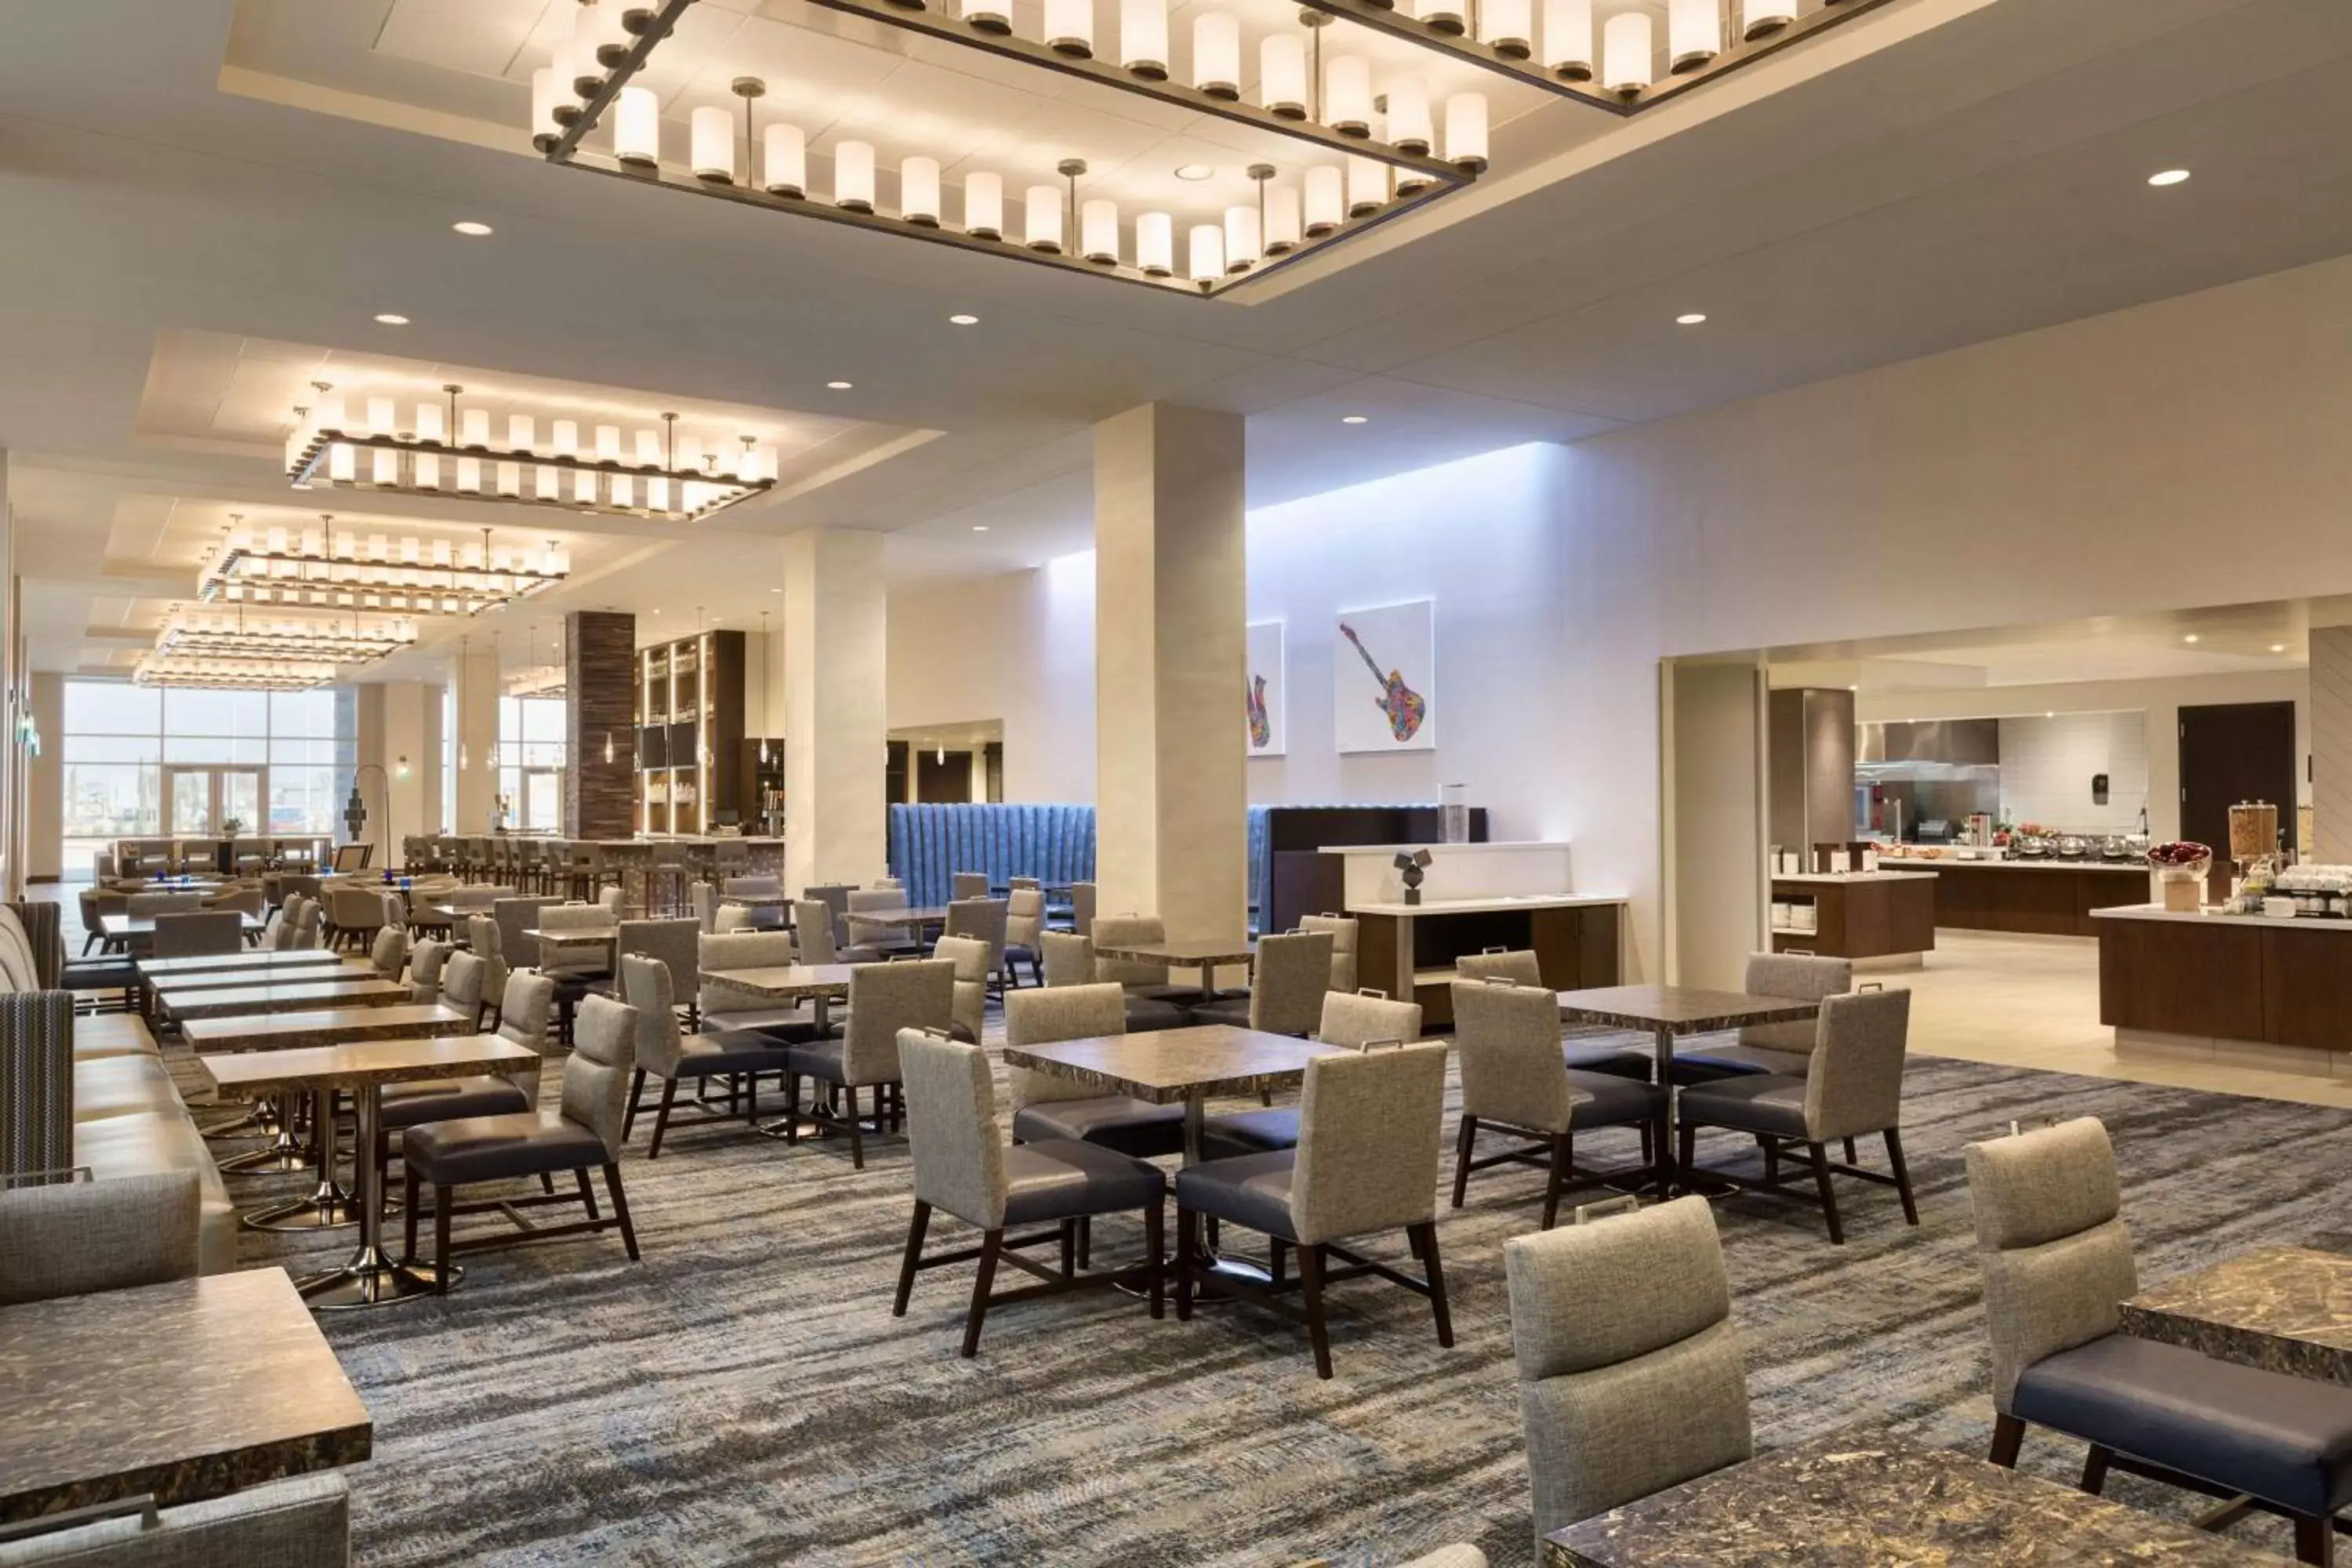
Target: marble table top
[
  {"x": 576, "y": 936},
  {"x": 366, "y": 1061},
  {"x": 757, "y": 900},
  {"x": 788, "y": 983},
  {"x": 278, "y": 1031},
  {"x": 2283, "y": 1309},
  {"x": 1856, "y": 1500},
  {"x": 928, "y": 915},
  {"x": 1166, "y": 1066},
  {"x": 217, "y": 969},
  {"x": 1683, "y": 1009},
  {"x": 285, "y": 995},
  {"x": 185, "y": 1391},
  {"x": 1233, "y": 950},
  {"x": 144, "y": 925}
]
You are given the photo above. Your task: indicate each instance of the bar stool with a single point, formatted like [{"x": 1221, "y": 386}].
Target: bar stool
[
  {"x": 730, "y": 858},
  {"x": 587, "y": 870},
  {"x": 666, "y": 878}
]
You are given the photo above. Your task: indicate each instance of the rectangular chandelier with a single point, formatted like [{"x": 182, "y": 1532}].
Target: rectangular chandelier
[
  {"x": 158, "y": 668},
  {"x": 319, "y": 568},
  {"x": 1347, "y": 178},
  {"x": 664, "y": 476},
  {"x": 239, "y": 637}
]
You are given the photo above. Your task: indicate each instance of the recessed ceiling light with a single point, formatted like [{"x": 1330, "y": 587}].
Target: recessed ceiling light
[
  {"x": 838, "y": 385},
  {"x": 2190, "y": 637},
  {"x": 2050, "y": 714},
  {"x": 979, "y": 528},
  {"x": 2278, "y": 647},
  {"x": 1351, "y": 418},
  {"x": 775, "y": 590},
  {"x": 1690, "y": 318},
  {"x": 390, "y": 320},
  {"x": 964, "y": 320},
  {"x": 470, "y": 227},
  {"x": 1193, "y": 171},
  {"x": 2168, "y": 177}
]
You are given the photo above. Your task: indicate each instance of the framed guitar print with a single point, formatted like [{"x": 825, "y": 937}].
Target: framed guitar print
[
  {"x": 1262, "y": 689},
  {"x": 1385, "y": 679}
]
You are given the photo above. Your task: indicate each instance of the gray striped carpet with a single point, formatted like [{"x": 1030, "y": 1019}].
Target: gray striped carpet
[{"x": 744, "y": 1395}]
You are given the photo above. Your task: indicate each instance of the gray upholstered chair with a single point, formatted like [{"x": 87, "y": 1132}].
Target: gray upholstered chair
[
  {"x": 200, "y": 933},
  {"x": 704, "y": 899},
  {"x": 982, "y": 920},
  {"x": 1615, "y": 1052},
  {"x": 2056, "y": 1260},
  {"x": 163, "y": 903},
  {"x": 666, "y": 1052},
  {"x": 1362, "y": 1020},
  {"x": 303, "y": 1521},
  {"x": 570, "y": 962},
  {"x": 834, "y": 897},
  {"x": 1024, "y": 922},
  {"x": 72, "y": 1239},
  {"x": 465, "y": 984},
  {"x": 676, "y": 942},
  {"x": 584, "y": 1132},
  {"x": 763, "y": 917},
  {"x": 244, "y": 900},
  {"x": 1855, "y": 1087},
  {"x": 514, "y": 917},
  {"x": 1082, "y": 908},
  {"x": 280, "y": 937},
  {"x": 726, "y": 1009},
  {"x": 1631, "y": 1376},
  {"x": 1366, "y": 1164},
  {"x": 1144, "y": 983},
  {"x": 884, "y": 998},
  {"x": 1046, "y": 1108},
  {"x": 967, "y": 885},
  {"x": 482, "y": 940},
  {"x": 1290, "y": 978},
  {"x": 1069, "y": 959},
  {"x": 354, "y": 914},
  {"x": 1783, "y": 1049},
  {"x": 523, "y": 1010},
  {"x": 424, "y": 970},
  {"x": 970, "y": 955},
  {"x": 1343, "y": 930},
  {"x": 1515, "y": 1082},
  {"x": 390, "y": 955},
  {"x": 812, "y": 932},
  {"x": 964, "y": 1168},
  {"x": 870, "y": 941}
]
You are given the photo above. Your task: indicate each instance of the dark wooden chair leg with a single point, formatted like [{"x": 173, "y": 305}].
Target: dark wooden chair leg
[
  {"x": 409, "y": 1182},
  {"x": 1771, "y": 1158},
  {"x": 661, "y": 1117},
  {"x": 1556, "y": 1179},
  {"x": 2008, "y": 1436},
  {"x": 441, "y": 1206},
  {"x": 1277, "y": 1258},
  {"x": 587, "y": 1194},
  {"x": 1902, "y": 1176},
  {"x": 1310, "y": 1278},
  {"x": 636, "y": 1092},
  {"x": 1437, "y": 1304},
  {"x": 621, "y": 1209},
  {"x": 1462, "y": 1143},
  {"x": 1188, "y": 1251},
  {"x": 1155, "y": 1244},
  {"x": 1853, "y": 1155},
  {"x": 858, "y": 1150},
  {"x": 990, "y": 1246},
  {"x": 1085, "y": 1243},
  {"x": 547, "y": 1182},
  {"x": 915, "y": 1230},
  {"x": 2314, "y": 1540},
  {"x": 1828, "y": 1193},
  {"x": 1686, "y": 1136},
  {"x": 2095, "y": 1469},
  {"x": 1070, "y": 1248}
]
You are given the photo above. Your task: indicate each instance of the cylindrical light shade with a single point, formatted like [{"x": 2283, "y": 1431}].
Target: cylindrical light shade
[
  {"x": 1509, "y": 27},
  {"x": 983, "y": 205},
  {"x": 649, "y": 449},
  {"x": 1441, "y": 16},
  {"x": 657, "y": 495},
  {"x": 1282, "y": 75},
  {"x": 428, "y": 422},
  {"x": 989, "y": 15},
  {"x": 1041, "y": 218},
  {"x": 621, "y": 491},
  {"x": 510, "y": 478},
  {"x": 1098, "y": 232},
  {"x": 1208, "y": 253},
  {"x": 544, "y": 96},
  {"x": 712, "y": 143},
  {"x": 564, "y": 437},
  {"x": 1155, "y": 243},
  {"x": 424, "y": 470},
  {"x": 784, "y": 161},
  {"x": 1243, "y": 248},
  {"x": 1368, "y": 185},
  {"x": 918, "y": 191},
  {"x": 1567, "y": 38},
  {"x": 1466, "y": 131},
  {"x": 548, "y": 482},
  {"x": 853, "y": 176},
  {"x": 1347, "y": 94},
  {"x": 636, "y": 127},
  {"x": 583, "y": 486},
  {"x": 475, "y": 426},
  {"x": 1283, "y": 227},
  {"x": 384, "y": 466},
  {"x": 1143, "y": 38},
  {"x": 520, "y": 432},
  {"x": 380, "y": 420},
  {"x": 1070, "y": 27},
  {"x": 608, "y": 443},
  {"x": 1326, "y": 200},
  {"x": 1408, "y": 124},
  {"x": 579, "y": 53},
  {"x": 1217, "y": 54},
  {"x": 1763, "y": 18},
  {"x": 1626, "y": 52},
  {"x": 1694, "y": 34},
  {"x": 606, "y": 23},
  {"x": 469, "y": 475}
]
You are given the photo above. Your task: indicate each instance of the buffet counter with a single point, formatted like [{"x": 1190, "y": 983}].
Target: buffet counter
[
  {"x": 2038, "y": 898},
  {"x": 1886, "y": 913},
  {"x": 2256, "y": 986}
]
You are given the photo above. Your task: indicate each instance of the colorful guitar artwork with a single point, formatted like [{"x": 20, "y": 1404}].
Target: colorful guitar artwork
[
  {"x": 1261, "y": 729},
  {"x": 1404, "y": 707}
]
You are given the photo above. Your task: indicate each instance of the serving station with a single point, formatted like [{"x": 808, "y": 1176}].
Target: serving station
[{"x": 2275, "y": 988}]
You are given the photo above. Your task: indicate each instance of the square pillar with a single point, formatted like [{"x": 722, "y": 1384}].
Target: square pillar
[
  {"x": 1169, "y": 669},
  {"x": 836, "y": 742},
  {"x": 600, "y": 674},
  {"x": 475, "y": 675}
]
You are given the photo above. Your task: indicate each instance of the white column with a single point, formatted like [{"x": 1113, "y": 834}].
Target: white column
[
  {"x": 1170, "y": 792},
  {"x": 836, "y": 727},
  {"x": 475, "y": 671}
]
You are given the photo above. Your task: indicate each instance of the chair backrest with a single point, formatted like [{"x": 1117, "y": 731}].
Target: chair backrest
[
  {"x": 645, "y": 983},
  {"x": 1855, "y": 1085},
  {"x": 353, "y": 856},
  {"x": 1117, "y": 931},
  {"x": 574, "y": 917},
  {"x": 1068, "y": 957},
  {"x": 885, "y": 998},
  {"x": 982, "y": 920},
  {"x": 304, "y": 1519},
  {"x": 1520, "y": 966},
  {"x": 753, "y": 887},
  {"x": 354, "y": 908},
  {"x": 188, "y": 935},
  {"x": 969, "y": 956},
  {"x": 1512, "y": 1070},
  {"x": 1359, "y": 1019},
  {"x": 1082, "y": 908},
  {"x": 524, "y": 1007},
  {"x": 609, "y": 900},
  {"x": 1799, "y": 976},
  {"x": 307, "y": 924},
  {"x": 1025, "y": 916},
  {"x": 676, "y": 942},
  {"x": 833, "y": 896},
  {"x": 704, "y": 899},
  {"x": 1587, "y": 1300},
  {"x": 1367, "y": 1136},
  {"x": 967, "y": 885},
  {"x": 951, "y": 1136},
  {"x": 482, "y": 937},
  {"x": 595, "y": 1092},
  {"x": 465, "y": 982},
  {"x": 731, "y": 917},
  {"x": 2051, "y": 1243},
  {"x": 72, "y": 1239},
  {"x": 282, "y": 931},
  {"x": 1343, "y": 930},
  {"x": 390, "y": 951},
  {"x": 516, "y": 916},
  {"x": 480, "y": 896},
  {"x": 244, "y": 900},
  {"x": 812, "y": 932},
  {"x": 301, "y": 883},
  {"x": 425, "y": 968},
  {"x": 165, "y": 903},
  {"x": 1291, "y": 978},
  {"x": 1034, "y": 1017},
  {"x": 738, "y": 950}
]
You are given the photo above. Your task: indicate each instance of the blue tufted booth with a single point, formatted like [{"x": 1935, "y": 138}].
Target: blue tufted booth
[{"x": 929, "y": 844}]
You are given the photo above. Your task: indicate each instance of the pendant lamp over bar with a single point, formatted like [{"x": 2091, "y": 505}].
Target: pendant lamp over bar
[
  {"x": 919, "y": 191},
  {"x": 1217, "y": 54},
  {"x": 1626, "y": 52},
  {"x": 1693, "y": 34},
  {"x": 1143, "y": 39},
  {"x": 1282, "y": 75}
]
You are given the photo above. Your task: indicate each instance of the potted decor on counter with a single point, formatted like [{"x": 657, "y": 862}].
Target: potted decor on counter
[{"x": 2179, "y": 867}]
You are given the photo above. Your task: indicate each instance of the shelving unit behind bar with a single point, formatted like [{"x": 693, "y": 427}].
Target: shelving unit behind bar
[{"x": 689, "y": 732}]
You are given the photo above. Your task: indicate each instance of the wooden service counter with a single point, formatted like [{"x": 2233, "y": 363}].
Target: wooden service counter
[
  {"x": 2214, "y": 981},
  {"x": 2033, "y": 897},
  {"x": 1860, "y": 914},
  {"x": 1408, "y": 950}
]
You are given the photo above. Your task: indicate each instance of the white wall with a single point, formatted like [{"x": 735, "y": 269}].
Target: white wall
[{"x": 2048, "y": 766}]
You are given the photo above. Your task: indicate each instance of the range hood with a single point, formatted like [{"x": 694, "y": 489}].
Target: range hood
[{"x": 1926, "y": 747}]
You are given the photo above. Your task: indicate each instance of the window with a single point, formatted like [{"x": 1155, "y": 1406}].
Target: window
[{"x": 531, "y": 755}]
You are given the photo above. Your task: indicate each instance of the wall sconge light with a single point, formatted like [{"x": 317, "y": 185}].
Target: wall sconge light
[
  {"x": 608, "y": 746},
  {"x": 400, "y": 769}
]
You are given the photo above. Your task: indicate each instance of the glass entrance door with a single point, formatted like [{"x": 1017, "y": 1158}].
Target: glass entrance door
[
  {"x": 542, "y": 800},
  {"x": 202, "y": 802}
]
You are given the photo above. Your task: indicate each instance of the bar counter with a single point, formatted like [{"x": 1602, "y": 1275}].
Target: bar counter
[
  {"x": 2281, "y": 989},
  {"x": 2036, "y": 898}
]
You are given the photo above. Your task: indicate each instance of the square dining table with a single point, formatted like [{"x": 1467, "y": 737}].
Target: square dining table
[
  {"x": 213, "y": 969},
  {"x": 283, "y": 993},
  {"x": 141, "y": 928},
  {"x": 1208, "y": 957},
  {"x": 1167, "y": 1066},
  {"x": 818, "y": 983},
  {"x": 2283, "y": 1309}
]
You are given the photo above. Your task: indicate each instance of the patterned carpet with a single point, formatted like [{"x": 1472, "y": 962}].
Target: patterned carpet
[{"x": 743, "y": 1395}]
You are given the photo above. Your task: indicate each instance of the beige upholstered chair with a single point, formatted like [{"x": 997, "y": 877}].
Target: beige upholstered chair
[
  {"x": 1362, "y": 1020},
  {"x": 309, "y": 924},
  {"x": 964, "y": 1168},
  {"x": 812, "y": 932},
  {"x": 884, "y": 998},
  {"x": 766, "y": 916},
  {"x": 354, "y": 914},
  {"x": 198, "y": 934},
  {"x": 1366, "y": 1162},
  {"x": 1343, "y": 931},
  {"x": 390, "y": 955},
  {"x": 1630, "y": 1377},
  {"x": 1514, "y": 1082},
  {"x": 726, "y": 1008},
  {"x": 868, "y": 940},
  {"x": 1292, "y": 976},
  {"x": 424, "y": 970},
  {"x": 1082, "y": 908},
  {"x": 970, "y": 955},
  {"x": 1786, "y": 1048},
  {"x": 482, "y": 940},
  {"x": 1855, "y": 1089},
  {"x": 704, "y": 898},
  {"x": 1046, "y": 1107},
  {"x": 1024, "y": 922},
  {"x": 967, "y": 885},
  {"x": 573, "y": 963},
  {"x": 515, "y": 916},
  {"x": 666, "y": 1053},
  {"x": 676, "y": 942},
  {"x": 523, "y": 1011},
  {"x": 982, "y": 920},
  {"x": 1152, "y": 1002},
  {"x": 1069, "y": 959},
  {"x": 1613, "y": 1051},
  {"x": 465, "y": 980}
]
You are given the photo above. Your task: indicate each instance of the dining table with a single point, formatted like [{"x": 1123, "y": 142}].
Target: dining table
[
  {"x": 141, "y": 928},
  {"x": 1171, "y": 1066},
  {"x": 1208, "y": 956},
  {"x": 283, "y": 994},
  {"x": 2283, "y": 1309},
  {"x": 180, "y": 1391},
  {"x": 819, "y": 984},
  {"x": 251, "y": 960}
]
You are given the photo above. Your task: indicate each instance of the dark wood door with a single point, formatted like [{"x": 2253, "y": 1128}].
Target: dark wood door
[
  {"x": 2229, "y": 752},
  {"x": 942, "y": 778}
]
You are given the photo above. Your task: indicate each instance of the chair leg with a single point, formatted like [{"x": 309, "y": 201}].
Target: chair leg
[
  {"x": 1828, "y": 1193},
  {"x": 1188, "y": 1251},
  {"x": 1556, "y": 1178},
  {"x": 1852, "y": 1156},
  {"x": 587, "y": 1196},
  {"x": 1085, "y": 1243},
  {"x": 621, "y": 1209},
  {"x": 1902, "y": 1176},
  {"x": 2095, "y": 1469},
  {"x": 441, "y": 1206},
  {"x": 858, "y": 1155},
  {"x": 1687, "y": 1135},
  {"x": 1155, "y": 1245},
  {"x": 915, "y": 1230},
  {"x": 2008, "y": 1436},
  {"x": 1771, "y": 1158},
  {"x": 409, "y": 1251},
  {"x": 661, "y": 1117},
  {"x": 1070, "y": 1247},
  {"x": 1310, "y": 1278},
  {"x": 2314, "y": 1540},
  {"x": 990, "y": 1246},
  {"x": 1437, "y": 1272},
  {"x": 1462, "y": 1143},
  {"x": 1277, "y": 1257},
  {"x": 791, "y": 1108}
]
